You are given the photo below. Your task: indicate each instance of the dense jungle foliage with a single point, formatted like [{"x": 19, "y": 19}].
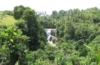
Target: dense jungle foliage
[{"x": 24, "y": 42}]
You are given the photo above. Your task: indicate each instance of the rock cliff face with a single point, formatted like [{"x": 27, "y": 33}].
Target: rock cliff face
[{"x": 51, "y": 36}]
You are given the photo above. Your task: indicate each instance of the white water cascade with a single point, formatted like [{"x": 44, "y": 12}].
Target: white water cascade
[{"x": 51, "y": 36}]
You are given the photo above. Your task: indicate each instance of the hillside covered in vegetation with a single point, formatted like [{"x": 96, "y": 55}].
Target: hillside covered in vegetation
[{"x": 23, "y": 38}]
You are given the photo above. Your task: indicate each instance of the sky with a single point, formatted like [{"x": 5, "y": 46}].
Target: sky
[{"x": 49, "y": 5}]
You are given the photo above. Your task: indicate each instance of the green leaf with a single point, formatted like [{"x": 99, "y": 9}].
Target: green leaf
[
  {"x": 2, "y": 33},
  {"x": 14, "y": 33},
  {"x": 13, "y": 46},
  {"x": 11, "y": 40},
  {"x": 3, "y": 47},
  {"x": 9, "y": 28},
  {"x": 6, "y": 34},
  {"x": 88, "y": 47}
]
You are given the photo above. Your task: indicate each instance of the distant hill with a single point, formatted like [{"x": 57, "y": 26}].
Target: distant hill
[{"x": 7, "y": 20}]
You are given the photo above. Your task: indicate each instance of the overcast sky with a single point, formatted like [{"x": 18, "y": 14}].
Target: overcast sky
[{"x": 49, "y": 5}]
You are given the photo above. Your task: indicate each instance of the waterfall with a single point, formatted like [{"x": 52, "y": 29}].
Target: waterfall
[{"x": 50, "y": 37}]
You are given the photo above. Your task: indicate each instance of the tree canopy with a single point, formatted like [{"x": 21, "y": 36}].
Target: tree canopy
[{"x": 25, "y": 43}]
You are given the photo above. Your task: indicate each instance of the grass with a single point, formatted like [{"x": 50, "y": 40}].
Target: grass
[{"x": 7, "y": 20}]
